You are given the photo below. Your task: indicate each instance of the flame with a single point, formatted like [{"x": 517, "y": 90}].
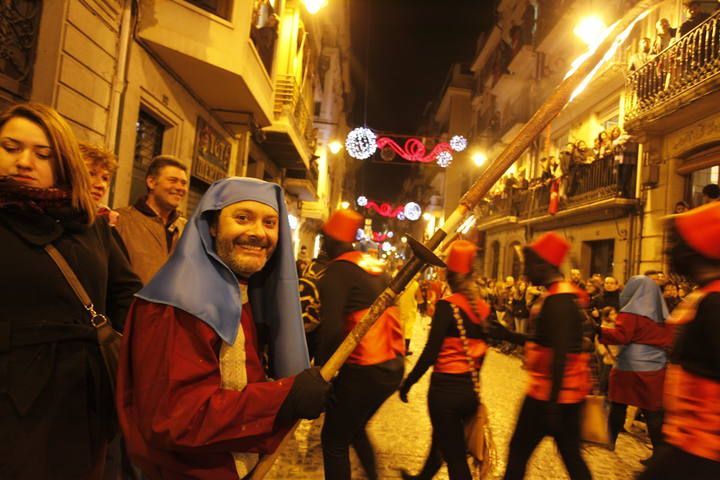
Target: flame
[{"x": 619, "y": 40}]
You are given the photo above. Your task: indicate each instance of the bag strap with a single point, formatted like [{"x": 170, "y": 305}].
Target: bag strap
[
  {"x": 97, "y": 320},
  {"x": 466, "y": 346}
]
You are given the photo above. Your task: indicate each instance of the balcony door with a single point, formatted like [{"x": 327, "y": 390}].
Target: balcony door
[{"x": 602, "y": 257}]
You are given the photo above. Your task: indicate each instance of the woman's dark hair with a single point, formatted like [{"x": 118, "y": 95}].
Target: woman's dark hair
[{"x": 464, "y": 284}]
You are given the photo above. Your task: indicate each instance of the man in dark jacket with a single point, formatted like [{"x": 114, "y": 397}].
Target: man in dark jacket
[{"x": 559, "y": 376}]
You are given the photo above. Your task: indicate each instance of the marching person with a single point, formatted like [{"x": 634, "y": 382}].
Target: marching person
[
  {"x": 639, "y": 372},
  {"x": 558, "y": 368},
  {"x": 193, "y": 397},
  {"x": 452, "y": 396},
  {"x": 692, "y": 386},
  {"x": 374, "y": 370}
]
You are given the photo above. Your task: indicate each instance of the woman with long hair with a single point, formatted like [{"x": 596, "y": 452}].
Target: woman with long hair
[
  {"x": 56, "y": 402},
  {"x": 452, "y": 397}
]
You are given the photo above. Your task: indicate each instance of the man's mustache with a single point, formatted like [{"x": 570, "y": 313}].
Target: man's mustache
[{"x": 252, "y": 242}]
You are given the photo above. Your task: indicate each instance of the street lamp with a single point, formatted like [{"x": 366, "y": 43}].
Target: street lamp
[
  {"x": 335, "y": 147},
  {"x": 479, "y": 158},
  {"x": 590, "y": 30},
  {"x": 314, "y": 6}
]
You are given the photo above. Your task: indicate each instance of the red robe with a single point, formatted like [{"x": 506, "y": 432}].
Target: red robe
[
  {"x": 643, "y": 389},
  {"x": 177, "y": 420}
]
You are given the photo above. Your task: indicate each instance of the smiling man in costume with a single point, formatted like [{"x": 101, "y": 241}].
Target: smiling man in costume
[{"x": 194, "y": 400}]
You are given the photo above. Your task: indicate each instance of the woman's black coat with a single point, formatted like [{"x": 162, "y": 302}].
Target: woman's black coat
[{"x": 56, "y": 405}]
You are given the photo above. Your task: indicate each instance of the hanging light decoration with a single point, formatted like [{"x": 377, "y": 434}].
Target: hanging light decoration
[
  {"x": 386, "y": 247},
  {"x": 361, "y": 143},
  {"x": 412, "y": 211},
  {"x": 362, "y": 201},
  {"x": 360, "y": 235},
  {"x": 444, "y": 159},
  {"x": 458, "y": 143}
]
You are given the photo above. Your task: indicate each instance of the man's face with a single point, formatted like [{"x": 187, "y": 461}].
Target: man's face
[
  {"x": 509, "y": 281},
  {"x": 670, "y": 290},
  {"x": 610, "y": 284},
  {"x": 575, "y": 275},
  {"x": 169, "y": 187},
  {"x": 246, "y": 234}
]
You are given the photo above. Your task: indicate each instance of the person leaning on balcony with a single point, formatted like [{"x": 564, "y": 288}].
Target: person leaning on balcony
[
  {"x": 151, "y": 228},
  {"x": 642, "y": 56},
  {"x": 664, "y": 36},
  {"x": 695, "y": 17},
  {"x": 625, "y": 151}
]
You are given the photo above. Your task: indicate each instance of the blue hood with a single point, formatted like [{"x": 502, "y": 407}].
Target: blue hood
[
  {"x": 642, "y": 296},
  {"x": 195, "y": 280}
]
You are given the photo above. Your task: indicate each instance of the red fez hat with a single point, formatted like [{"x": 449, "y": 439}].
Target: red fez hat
[
  {"x": 700, "y": 228},
  {"x": 460, "y": 257},
  {"x": 551, "y": 247},
  {"x": 343, "y": 225}
]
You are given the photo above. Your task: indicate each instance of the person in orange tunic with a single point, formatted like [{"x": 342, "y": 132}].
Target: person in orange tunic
[
  {"x": 555, "y": 362},
  {"x": 374, "y": 369},
  {"x": 692, "y": 385},
  {"x": 452, "y": 397}
]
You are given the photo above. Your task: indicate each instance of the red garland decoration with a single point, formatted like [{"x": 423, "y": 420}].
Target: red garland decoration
[
  {"x": 385, "y": 209},
  {"x": 414, "y": 150},
  {"x": 379, "y": 237}
]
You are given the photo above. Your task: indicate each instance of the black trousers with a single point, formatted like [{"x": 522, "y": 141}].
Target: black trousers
[
  {"x": 672, "y": 463},
  {"x": 451, "y": 399},
  {"x": 653, "y": 419},
  {"x": 538, "y": 419},
  {"x": 358, "y": 393}
]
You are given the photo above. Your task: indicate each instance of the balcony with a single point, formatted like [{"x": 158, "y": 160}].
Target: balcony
[
  {"x": 589, "y": 193},
  {"x": 302, "y": 182},
  {"x": 216, "y": 58},
  {"x": 679, "y": 85},
  {"x": 291, "y": 139}
]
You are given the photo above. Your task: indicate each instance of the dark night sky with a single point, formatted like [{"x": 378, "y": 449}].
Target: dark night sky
[{"x": 409, "y": 46}]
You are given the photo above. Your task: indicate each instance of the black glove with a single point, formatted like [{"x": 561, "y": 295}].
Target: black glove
[
  {"x": 404, "y": 390},
  {"x": 307, "y": 397}
]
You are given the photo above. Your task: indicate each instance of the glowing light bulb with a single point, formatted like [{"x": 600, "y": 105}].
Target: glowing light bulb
[
  {"x": 479, "y": 159},
  {"x": 335, "y": 147},
  {"x": 590, "y": 30},
  {"x": 412, "y": 211},
  {"x": 345, "y": 205},
  {"x": 362, "y": 200},
  {"x": 314, "y": 6}
]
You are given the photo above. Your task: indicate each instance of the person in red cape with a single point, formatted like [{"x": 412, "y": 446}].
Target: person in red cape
[
  {"x": 193, "y": 396},
  {"x": 555, "y": 362},
  {"x": 639, "y": 372},
  {"x": 452, "y": 397},
  {"x": 692, "y": 384},
  {"x": 374, "y": 369}
]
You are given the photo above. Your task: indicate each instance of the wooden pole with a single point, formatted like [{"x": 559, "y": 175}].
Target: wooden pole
[{"x": 495, "y": 170}]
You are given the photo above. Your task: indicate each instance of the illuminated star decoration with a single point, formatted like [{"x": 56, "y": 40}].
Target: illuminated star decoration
[
  {"x": 444, "y": 158},
  {"x": 412, "y": 211},
  {"x": 361, "y": 143},
  {"x": 362, "y": 200}
]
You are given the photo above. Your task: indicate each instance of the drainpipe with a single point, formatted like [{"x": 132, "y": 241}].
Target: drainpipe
[{"x": 120, "y": 77}]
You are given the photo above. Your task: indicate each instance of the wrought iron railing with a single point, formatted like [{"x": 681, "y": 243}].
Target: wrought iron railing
[
  {"x": 19, "y": 24},
  {"x": 584, "y": 184},
  {"x": 691, "y": 60},
  {"x": 290, "y": 103}
]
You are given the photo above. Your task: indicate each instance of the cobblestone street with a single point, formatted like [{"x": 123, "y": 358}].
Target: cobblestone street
[{"x": 401, "y": 432}]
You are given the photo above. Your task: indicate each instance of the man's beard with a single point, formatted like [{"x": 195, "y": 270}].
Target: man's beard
[{"x": 242, "y": 265}]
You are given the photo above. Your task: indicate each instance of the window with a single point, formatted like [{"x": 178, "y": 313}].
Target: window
[
  {"x": 19, "y": 22},
  {"x": 495, "y": 259},
  {"x": 602, "y": 257},
  {"x": 698, "y": 179},
  {"x": 221, "y": 8},
  {"x": 148, "y": 144}
]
